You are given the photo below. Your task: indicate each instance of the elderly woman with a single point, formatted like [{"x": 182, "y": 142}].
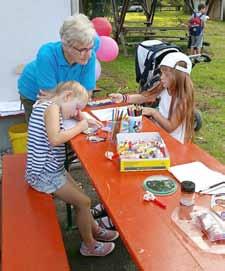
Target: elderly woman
[{"x": 72, "y": 58}]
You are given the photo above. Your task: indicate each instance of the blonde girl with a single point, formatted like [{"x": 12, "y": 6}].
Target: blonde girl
[
  {"x": 45, "y": 170},
  {"x": 176, "y": 107}
]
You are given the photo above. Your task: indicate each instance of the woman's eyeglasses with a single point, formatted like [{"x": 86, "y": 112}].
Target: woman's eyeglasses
[{"x": 82, "y": 50}]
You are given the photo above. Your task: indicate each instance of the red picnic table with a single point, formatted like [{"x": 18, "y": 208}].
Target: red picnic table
[{"x": 147, "y": 231}]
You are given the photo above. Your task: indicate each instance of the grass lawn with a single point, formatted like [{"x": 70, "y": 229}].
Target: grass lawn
[{"x": 208, "y": 78}]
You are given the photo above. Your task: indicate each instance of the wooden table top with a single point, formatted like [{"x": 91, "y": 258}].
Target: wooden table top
[{"x": 147, "y": 230}]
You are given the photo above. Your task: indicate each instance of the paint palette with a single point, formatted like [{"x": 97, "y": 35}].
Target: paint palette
[
  {"x": 90, "y": 131},
  {"x": 160, "y": 185}
]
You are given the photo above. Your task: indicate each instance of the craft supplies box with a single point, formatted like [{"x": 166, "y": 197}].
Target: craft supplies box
[{"x": 156, "y": 162}]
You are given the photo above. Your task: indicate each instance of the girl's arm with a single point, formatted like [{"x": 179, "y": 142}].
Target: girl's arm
[
  {"x": 56, "y": 136},
  {"x": 167, "y": 124},
  {"x": 145, "y": 97},
  {"x": 133, "y": 98},
  {"x": 91, "y": 121}
]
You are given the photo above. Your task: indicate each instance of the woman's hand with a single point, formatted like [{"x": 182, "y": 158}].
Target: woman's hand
[
  {"x": 116, "y": 97},
  {"x": 45, "y": 95},
  {"x": 148, "y": 111}
]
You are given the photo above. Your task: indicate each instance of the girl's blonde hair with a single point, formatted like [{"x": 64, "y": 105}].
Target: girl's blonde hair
[
  {"x": 79, "y": 92},
  {"x": 182, "y": 102}
]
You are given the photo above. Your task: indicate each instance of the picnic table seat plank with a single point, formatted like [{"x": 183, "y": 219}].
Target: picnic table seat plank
[{"x": 31, "y": 236}]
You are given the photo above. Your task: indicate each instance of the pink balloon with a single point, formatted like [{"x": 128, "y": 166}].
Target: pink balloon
[
  {"x": 102, "y": 26},
  {"x": 108, "y": 50},
  {"x": 97, "y": 70}
]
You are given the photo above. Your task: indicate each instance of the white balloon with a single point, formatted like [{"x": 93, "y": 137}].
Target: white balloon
[{"x": 98, "y": 69}]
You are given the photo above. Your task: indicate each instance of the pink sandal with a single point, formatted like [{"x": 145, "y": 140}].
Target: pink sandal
[{"x": 106, "y": 235}]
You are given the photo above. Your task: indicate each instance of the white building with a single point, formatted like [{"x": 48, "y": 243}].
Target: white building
[{"x": 24, "y": 26}]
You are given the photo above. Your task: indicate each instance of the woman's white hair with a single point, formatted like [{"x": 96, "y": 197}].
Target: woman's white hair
[{"x": 77, "y": 29}]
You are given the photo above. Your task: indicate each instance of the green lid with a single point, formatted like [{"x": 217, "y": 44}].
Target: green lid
[{"x": 160, "y": 185}]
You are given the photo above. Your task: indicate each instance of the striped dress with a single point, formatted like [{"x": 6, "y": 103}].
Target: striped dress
[{"x": 42, "y": 158}]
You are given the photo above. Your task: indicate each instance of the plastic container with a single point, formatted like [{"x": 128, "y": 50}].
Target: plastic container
[
  {"x": 189, "y": 233},
  {"x": 18, "y": 137},
  {"x": 187, "y": 200},
  {"x": 134, "y": 124}
]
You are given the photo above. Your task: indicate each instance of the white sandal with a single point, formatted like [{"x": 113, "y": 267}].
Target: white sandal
[
  {"x": 98, "y": 211},
  {"x": 105, "y": 222}
]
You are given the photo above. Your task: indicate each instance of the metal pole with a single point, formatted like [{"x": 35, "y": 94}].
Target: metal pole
[
  {"x": 222, "y": 10},
  {"x": 74, "y": 6},
  {"x": 68, "y": 206},
  {"x": 122, "y": 17}
]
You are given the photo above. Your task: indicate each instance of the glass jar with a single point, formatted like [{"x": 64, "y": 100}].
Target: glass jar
[{"x": 187, "y": 200}]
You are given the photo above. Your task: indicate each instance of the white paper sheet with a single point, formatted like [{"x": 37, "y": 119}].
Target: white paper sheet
[
  {"x": 201, "y": 175},
  {"x": 106, "y": 114},
  {"x": 11, "y": 113},
  {"x": 10, "y": 108},
  {"x": 69, "y": 123}
]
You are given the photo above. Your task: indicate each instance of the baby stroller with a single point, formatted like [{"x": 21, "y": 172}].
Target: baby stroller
[{"x": 149, "y": 55}]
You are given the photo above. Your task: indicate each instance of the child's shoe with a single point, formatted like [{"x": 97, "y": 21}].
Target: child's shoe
[
  {"x": 99, "y": 249},
  {"x": 98, "y": 211},
  {"x": 106, "y": 235},
  {"x": 105, "y": 222}
]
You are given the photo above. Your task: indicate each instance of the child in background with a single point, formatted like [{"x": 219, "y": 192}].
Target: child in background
[
  {"x": 45, "y": 170},
  {"x": 196, "y": 29},
  {"x": 176, "y": 107}
]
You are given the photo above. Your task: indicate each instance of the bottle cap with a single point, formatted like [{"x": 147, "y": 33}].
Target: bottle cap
[{"x": 188, "y": 187}]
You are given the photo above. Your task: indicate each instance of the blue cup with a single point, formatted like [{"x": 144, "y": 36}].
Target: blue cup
[{"x": 134, "y": 124}]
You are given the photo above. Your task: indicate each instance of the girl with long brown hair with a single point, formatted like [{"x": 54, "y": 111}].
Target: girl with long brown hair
[{"x": 176, "y": 107}]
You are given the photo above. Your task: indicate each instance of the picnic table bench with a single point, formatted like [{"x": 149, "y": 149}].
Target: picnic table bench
[
  {"x": 169, "y": 7},
  {"x": 151, "y": 28},
  {"x": 31, "y": 238},
  {"x": 170, "y": 34}
]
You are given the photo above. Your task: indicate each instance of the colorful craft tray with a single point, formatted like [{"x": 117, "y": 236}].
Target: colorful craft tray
[{"x": 142, "y": 164}]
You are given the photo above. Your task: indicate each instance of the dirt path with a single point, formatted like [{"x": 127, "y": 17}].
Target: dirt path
[{"x": 119, "y": 260}]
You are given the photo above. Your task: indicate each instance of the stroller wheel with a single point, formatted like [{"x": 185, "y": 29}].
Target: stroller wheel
[
  {"x": 197, "y": 121},
  {"x": 205, "y": 58}
]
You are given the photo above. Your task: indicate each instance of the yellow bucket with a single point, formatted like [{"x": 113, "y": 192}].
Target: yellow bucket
[{"x": 18, "y": 137}]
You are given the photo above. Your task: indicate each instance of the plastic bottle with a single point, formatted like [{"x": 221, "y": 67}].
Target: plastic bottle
[{"x": 187, "y": 200}]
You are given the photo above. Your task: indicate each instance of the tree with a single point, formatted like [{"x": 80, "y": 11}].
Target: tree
[{"x": 96, "y": 8}]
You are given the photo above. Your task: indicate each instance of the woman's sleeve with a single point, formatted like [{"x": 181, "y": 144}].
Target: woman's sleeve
[
  {"x": 88, "y": 74},
  {"x": 46, "y": 69}
]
